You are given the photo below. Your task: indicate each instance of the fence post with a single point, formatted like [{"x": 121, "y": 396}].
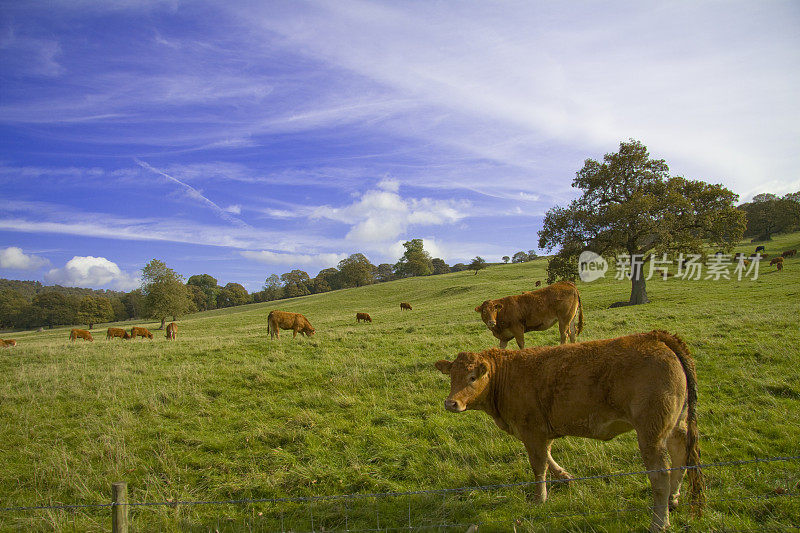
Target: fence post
[{"x": 119, "y": 507}]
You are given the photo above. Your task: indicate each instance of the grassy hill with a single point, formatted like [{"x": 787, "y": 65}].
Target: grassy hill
[{"x": 225, "y": 413}]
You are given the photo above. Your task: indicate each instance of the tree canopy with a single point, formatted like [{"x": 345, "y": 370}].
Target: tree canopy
[
  {"x": 630, "y": 205},
  {"x": 164, "y": 292},
  {"x": 769, "y": 214},
  {"x": 94, "y": 309},
  {"x": 356, "y": 271},
  {"x": 415, "y": 261},
  {"x": 479, "y": 263}
]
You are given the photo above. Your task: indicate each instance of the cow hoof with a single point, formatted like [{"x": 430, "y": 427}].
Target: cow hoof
[{"x": 563, "y": 475}]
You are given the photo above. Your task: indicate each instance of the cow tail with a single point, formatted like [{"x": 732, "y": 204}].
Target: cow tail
[
  {"x": 697, "y": 484},
  {"x": 580, "y": 316}
]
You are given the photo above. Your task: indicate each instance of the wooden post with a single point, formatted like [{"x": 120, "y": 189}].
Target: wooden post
[{"x": 119, "y": 508}]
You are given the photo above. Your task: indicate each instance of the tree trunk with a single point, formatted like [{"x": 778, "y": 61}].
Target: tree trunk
[
  {"x": 162, "y": 322},
  {"x": 638, "y": 288}
]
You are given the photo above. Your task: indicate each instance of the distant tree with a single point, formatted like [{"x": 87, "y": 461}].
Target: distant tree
[
  {"x": 296, "y": 283},
  {"x": 385, "y": 272},
  {"x": 630, "y": 207},
  {"x": 94, "y": 309},
  {"x": 532, "y": 255},
  {"x": 458, "y": 267},
  {"x": 273, "y": 288},
  {"x": 479, "y": 263},
  {"x": 207, "y": 284},
  {"x": 415, "y": 261},
  {"x": 134, "y": 303},
  {"x": 198, "y": 297},
  {"x": 439, "y": 266},
  {"x": 519, "y": 257},
  {"x": 332, "y": 277},
  {"x": 356, "y": 271},
  {"x": 164, "y": 292},
  {"x": 506, "y": 259},
  {"x": 53, "y": 308},
  {"x": 232, "y": 294},
  {"x": 319, "y": 285},
  {"x": 12, "y": 307},
  {"x": 768, "y": 214},
  {"x": 120, "y": 312}
]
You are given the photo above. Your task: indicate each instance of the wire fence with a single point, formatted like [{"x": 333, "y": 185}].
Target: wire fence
[{"x": 343, "y": 509}]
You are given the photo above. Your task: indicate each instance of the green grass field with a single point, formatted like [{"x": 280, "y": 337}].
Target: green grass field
[{"x": 225, "y": 413}]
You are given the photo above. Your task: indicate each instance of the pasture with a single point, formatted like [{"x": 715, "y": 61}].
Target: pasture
[{"x": 224, "y": 413}]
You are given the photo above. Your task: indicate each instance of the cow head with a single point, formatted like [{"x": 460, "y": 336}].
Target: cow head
[
  {"x": 488, "y": 311},
  {"x": 469, "y": 381},
  {"x": 308, "y": 330}
]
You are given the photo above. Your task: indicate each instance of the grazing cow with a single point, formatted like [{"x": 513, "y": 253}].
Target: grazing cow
[
  {"x": 538, "y": 283},
  {"x": 510, "y": 317},
  {"x": 117, "y": 332},
  {"x": 172, "y": 331},
  {"x": 363, "y": 316},
  {"x": 759, "y": 249},
  {"x": 404, "y": 306},
  {"x": 789, "y": 253},
  {"x": 7, "y": 343},
  {"x": 597, "y": 389},
  {"x": 776, "y": 260},
  {"x": 136, "y": 331},
  {"x": 80, "y": 334},
  {"x": 278, "y": 320}
]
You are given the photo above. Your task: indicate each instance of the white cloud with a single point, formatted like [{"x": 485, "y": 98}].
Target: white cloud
[
  {"x": 13, "y": 258},
  {"x": 90, "y": 271},
  {"x": 383, "y": 215},
  {"x": 324, "y": 260}
]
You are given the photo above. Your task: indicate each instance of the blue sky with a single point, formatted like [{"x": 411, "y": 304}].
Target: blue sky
[{"x": 242, "y": 139}]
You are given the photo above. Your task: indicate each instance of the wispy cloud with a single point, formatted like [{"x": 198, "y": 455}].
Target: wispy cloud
[{"x": 322, "y": 260}]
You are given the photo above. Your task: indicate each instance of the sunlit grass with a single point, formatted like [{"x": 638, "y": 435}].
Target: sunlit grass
[{"x": 225, "y": 413}]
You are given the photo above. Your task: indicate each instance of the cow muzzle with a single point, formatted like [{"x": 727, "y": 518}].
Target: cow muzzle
[
  {"x": 490, "y": 324},
  {"x": 453, "y": 406}
]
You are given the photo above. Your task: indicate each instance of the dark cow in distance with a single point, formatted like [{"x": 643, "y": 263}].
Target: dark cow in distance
[
  {"x": 789, "y": 253},
  {"x": 759, "y": 249},
  {"x": 172, "y": 331},
  {"x": 137, "y": 331},
  {"x": 363, "y": 316},
  {"x": 510, "y": 317},
  {"x": 538, "y": 283},
  {"x": 117, "y": 332},
  {"x": 75, "y": 333},
  {"x": 776, "y": 260},
  {"x": 597, "y": 389},
  {"x": 404, "y": 306},
  {"x": 278, "y": 320}
]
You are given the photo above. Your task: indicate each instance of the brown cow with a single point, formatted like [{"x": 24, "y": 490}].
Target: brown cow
[
  {"x": 404, "y": 306},
  {"x": 7, "y": 343},
  {"x": 172, "y": 331},
  {"x": 278, "y": 320},
  {"x": 510, "y": 317},
  {"x": 779, "y": 266},
  {"x": 538, "y": 283},
  {"x": 789, "y": 253},
  {"x": 597, "y": 389},
  {"x": 137, "y": 331},
  {"x": 363, "y": 316},
  {"x": 80, "y": 334},
  {"x": 776, "y": 260},
  {"x": 117, "y": 332}
]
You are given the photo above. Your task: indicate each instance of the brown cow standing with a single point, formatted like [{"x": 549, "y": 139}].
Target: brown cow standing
[
  {"x": 117, "y": 332},
  {"x": 172, "y": 331},
  {"x": 7, "y": 343},
  {"x": 597, "y": 389},
  {"x": 278, "y": 320},
  {"x": 80, "y": 334},
  {"x": 789, "y": 253},
  {"x": 510, "y": 317},
  {"x": 363, "y": 316},
  {"x": 404, "y": 306},
  {"x": 137, "y": 331},
  {"x": 776, "y": 260}
]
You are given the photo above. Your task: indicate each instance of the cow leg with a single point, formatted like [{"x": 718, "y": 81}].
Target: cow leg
[
  {"x": 655, "y": 455},
  {"x": 537, "y": 455},
  {"x": 676, "y": 443},
  {"x": 555, "y": 469},
  {"x": 562, "y": 329},
  {"x": 294, "y": 333}
]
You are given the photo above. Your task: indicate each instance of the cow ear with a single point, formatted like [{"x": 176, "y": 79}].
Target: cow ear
[
  {"x": 478, "y": 309},
  {"x": 443, "y": 366},
  {"x": 480, "y": 370}
]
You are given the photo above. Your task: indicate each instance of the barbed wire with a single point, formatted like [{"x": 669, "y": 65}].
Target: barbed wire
[{"x": 354, "y": 496}]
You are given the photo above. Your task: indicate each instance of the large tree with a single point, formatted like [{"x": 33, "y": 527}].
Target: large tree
[
  {"x": 356, "y": 271},
  {"x": 768, "y": 214},
  {"x": 233, "y": 294},
  {"x": 94, "y": 309},
  {"x": 273, "y": 288},
  {"x": 296, "y": 283},
  {"x": 164, "y": 292},
  {"x": 208, "y": 285},
  {"x": 631, "y": 208},
  {"x": 385, "y": 272},
  {"x": 479, "y": 263},
  {"x": 415, "y": 261},
  {"x": 439, "y": 266}
]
